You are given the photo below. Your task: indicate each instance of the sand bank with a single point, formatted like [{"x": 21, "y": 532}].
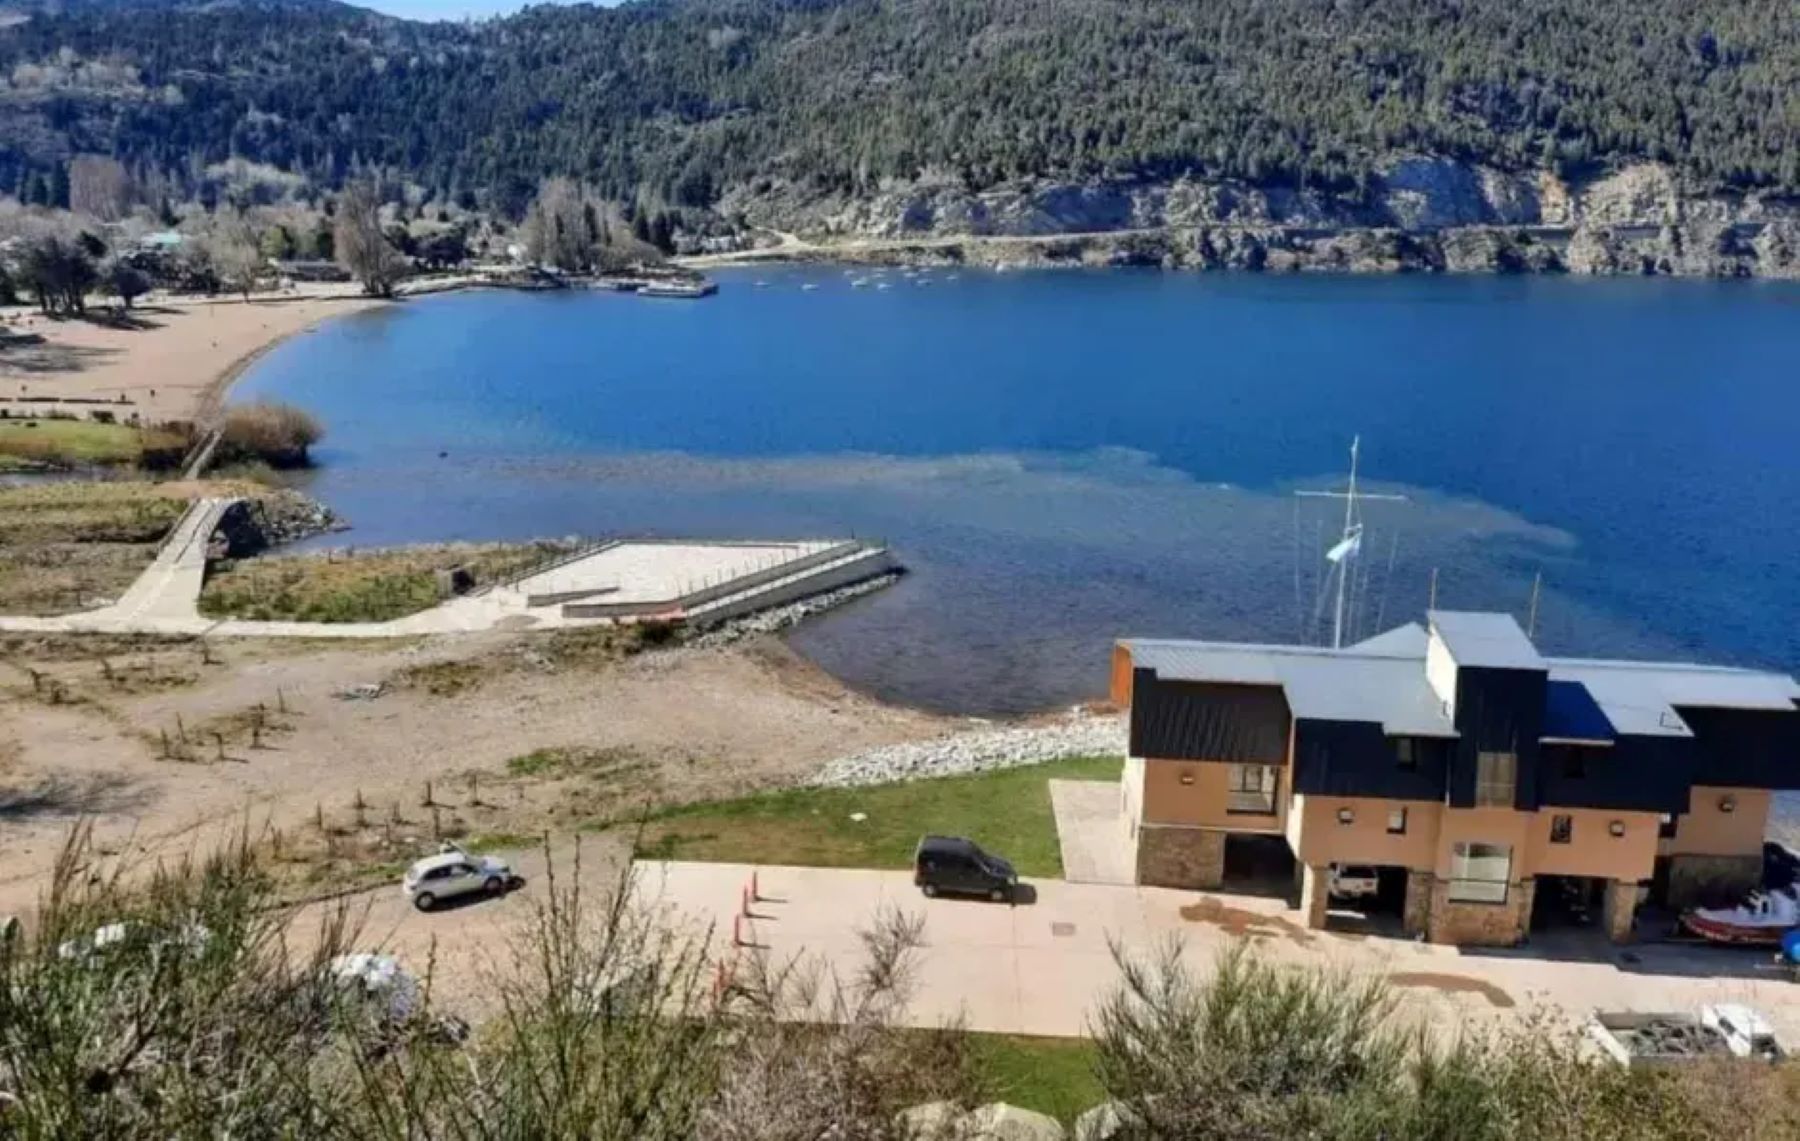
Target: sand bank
[{"x": 169, "y": 359}]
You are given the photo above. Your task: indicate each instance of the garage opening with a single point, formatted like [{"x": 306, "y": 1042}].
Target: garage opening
[
  {"x": 1367, "y": 899},
  {"x": 1258, "y": 864},
  {"x": 1567, "y": 903}
]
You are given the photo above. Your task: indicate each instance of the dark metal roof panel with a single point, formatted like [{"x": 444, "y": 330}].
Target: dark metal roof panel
[{"x": 1207, "y": 721}]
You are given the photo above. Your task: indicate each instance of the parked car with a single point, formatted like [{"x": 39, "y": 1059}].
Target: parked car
[
  {"x": 1354, "y": 881},
  {"x": 454, "y": 872},
  {"x": 953, "y": 865}
]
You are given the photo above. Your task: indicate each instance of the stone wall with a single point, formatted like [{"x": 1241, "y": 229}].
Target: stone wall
[
  {"x": 1480, "y": 924},
  {"x": 1619, "y": 908},
  {"x": 1169, "y": 856},
  {"x": 1701, "y": 880},
  {"x": 1315, "y": 891},
  {"x": 1416, "y": 918}
]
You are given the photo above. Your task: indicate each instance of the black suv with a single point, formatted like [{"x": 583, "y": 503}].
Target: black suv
[{"x": 953, "y": 865}]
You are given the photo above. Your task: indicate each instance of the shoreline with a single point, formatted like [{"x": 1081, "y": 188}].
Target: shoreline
[
  {"x": 212, "y": 396},
  {"x": 167, "y": 359},
  {"x": 1271, "y": 248}
]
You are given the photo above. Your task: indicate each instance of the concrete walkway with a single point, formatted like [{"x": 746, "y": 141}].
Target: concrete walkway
[
  {"x": 1091, "y": 832},
  {"x": 632, "y": 573}
]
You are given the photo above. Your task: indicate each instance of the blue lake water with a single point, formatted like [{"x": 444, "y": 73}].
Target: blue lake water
[{"x": 1064, "y": 458}]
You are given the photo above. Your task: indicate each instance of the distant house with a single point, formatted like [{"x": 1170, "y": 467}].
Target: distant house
[
  {"x": 162, "y": 241},
  {"x": 1484, "y": 783}
]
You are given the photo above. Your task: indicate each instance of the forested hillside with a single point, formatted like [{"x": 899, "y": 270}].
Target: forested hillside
[{"x": 686, "y": 99}]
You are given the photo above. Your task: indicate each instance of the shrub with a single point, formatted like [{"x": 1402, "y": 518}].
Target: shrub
[
  {"x": 277, "y": 434},
  {"x": 193, "y": 1005},
  {"x": 164, "y": 446},
  {"x": 1260, "y": 1052}
]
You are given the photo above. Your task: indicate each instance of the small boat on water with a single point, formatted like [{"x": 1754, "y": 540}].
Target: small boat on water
[
  {"x": 809, "y": 287},
  {"x": 858, "y": 282},
  {"x": 1762, "y": 919},
  {"x": 678, "y": 289},
  {"x": 884, "y": 285}
]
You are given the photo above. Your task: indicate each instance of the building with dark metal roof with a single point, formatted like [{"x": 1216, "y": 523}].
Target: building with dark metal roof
[{"x": 1469, "y": 767}]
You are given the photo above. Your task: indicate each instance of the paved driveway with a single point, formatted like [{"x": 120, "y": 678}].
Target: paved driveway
[
  {"x": 1041, "y": 967},
  {"x": 1091, "y": 832}
]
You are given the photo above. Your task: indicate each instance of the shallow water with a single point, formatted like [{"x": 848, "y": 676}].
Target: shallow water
[{"x": 1065, "y": 458}]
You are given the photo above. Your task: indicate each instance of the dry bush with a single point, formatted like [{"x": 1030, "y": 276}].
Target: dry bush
[
  {"x": 277, "y": 434},
  {"x": 177, "y": 1007},
  {"x": 1261, "y": 1053},
  {"x": 820, "y": 1056},
  {"x": 167, "y": 1007}
]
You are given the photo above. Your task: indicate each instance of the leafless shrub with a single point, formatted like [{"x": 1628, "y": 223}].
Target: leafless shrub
[{"x": 817, "y": 1055}]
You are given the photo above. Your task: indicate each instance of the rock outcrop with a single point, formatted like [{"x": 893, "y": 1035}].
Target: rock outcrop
[
  {"x": 273, "y": 519},
  {"x": 1419, "y": 213}
]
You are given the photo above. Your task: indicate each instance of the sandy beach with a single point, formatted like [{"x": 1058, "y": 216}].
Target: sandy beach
[{"x": 170, "y": 358}]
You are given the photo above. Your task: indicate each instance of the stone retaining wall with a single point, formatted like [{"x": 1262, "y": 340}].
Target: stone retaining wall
[
  {"x": 1715, "y": 880},
  {"x": 1480, "y": 924}
]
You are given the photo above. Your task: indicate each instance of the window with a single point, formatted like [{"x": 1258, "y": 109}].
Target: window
[
  {"x": 1397, "y": 821},
  {"x": 1561, "y": 828},
  {"x": 1575, "y": 763},
  {"x": 1408, "y": 751},
  {"x": 1252, "y": 789},
  {"x": 1495, "y": 774},
  {"x": 1479, "y": 873},
  {"x": 1666, "y": 828}
]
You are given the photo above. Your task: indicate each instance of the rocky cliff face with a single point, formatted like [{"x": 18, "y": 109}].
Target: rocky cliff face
[{"x": 1419, "y": 214}]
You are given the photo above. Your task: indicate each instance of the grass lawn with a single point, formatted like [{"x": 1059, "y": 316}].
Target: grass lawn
[
  {"x": 1051, "y": 1075},
  {"x": 62, "y": 443},
  {"x": 1006, "y": 812}
]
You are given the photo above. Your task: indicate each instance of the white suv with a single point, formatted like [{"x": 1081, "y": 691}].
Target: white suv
[
  {"x": 1354, "y": 881},
  {"x": 453, "y": 872}
]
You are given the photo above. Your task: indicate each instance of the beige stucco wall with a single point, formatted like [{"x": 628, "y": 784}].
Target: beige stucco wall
[
  {"x": 1592, "y": 849},
  {"x": 1318, "y": 837},
  {"x": 1481, "y": 825},
  {"x": 1201, "y": 798},
  {"x": 1704, "y": 830},
  {"x": 1432, "y": 829}
]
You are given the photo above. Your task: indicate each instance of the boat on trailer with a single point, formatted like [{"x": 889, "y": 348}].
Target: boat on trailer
[{"x": 1761, "y": 920}]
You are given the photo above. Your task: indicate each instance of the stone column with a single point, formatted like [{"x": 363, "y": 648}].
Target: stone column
[
  {"x": 1173, "y": 856},
  {"x": 1416, "y": 919},
  {"x": 1618, "y": 909},
  {"x": 1315, "y": 890}
]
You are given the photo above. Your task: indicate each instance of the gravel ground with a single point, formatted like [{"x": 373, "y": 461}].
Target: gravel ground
[{"x": 1078, "y": 734}]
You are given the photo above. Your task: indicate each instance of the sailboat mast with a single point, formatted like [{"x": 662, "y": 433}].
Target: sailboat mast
[
  {"x": 1337, "y": 621},
  {"x": 1350, "y": 545}
]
